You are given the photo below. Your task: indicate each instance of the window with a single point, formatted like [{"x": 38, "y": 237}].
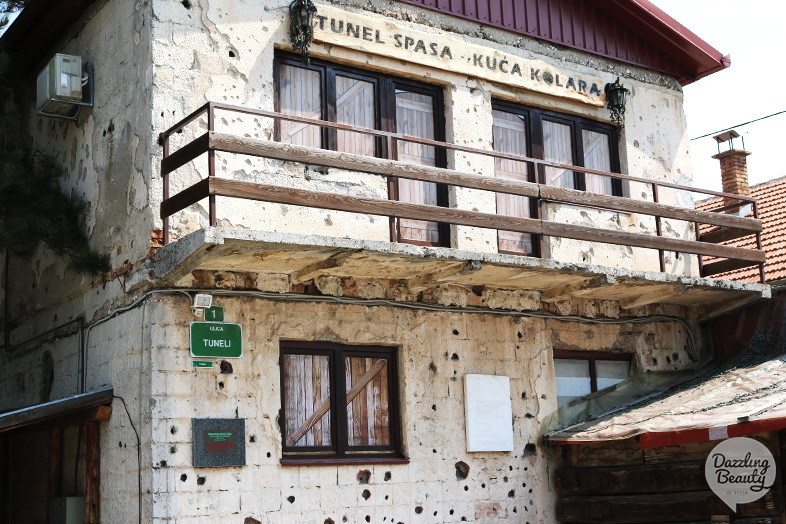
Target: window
[
  {"x": 346, "y": 95},
  {"x": 580, "y": 373},
  {"x": 555, "y": 137},
  {"x": 317, "y": 422}
]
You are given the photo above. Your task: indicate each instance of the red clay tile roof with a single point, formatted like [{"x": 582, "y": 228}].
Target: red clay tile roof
[{"x": 771, "y": 202}]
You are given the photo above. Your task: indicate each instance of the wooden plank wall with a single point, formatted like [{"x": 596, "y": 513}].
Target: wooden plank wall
[{"x": 618, "y": 483}]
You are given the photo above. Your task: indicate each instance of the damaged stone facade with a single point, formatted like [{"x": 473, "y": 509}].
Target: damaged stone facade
[
  {"x": 209, "y": 53},
  {"x": 435, "y": 350},
  {"x": 158, "y": 60}
]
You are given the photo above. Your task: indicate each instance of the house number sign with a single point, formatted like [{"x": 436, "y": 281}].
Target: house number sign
[{"x": 386, "y": 38}]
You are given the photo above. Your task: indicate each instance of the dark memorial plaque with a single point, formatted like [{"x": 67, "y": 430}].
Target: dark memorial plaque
[{"x": 219, "y": 442}]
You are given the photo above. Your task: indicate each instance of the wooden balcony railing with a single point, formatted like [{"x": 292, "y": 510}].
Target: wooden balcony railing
[{"x": 728, "y": 226}]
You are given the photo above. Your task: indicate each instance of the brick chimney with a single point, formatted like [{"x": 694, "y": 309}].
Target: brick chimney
[
  {"x": 734, "y": 171},
  {"x": 734, "y": 165}
]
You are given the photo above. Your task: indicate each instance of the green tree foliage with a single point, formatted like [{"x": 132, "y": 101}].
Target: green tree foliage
[{"x": 34, "y": 209}]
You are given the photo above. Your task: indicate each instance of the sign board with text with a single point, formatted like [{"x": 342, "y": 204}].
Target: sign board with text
[
  {"x": 216, "y": 340},
  {"x": 489, "y": 415},
  {"x": 387, "y": 38},
  {"x": 219, "y": 442}
]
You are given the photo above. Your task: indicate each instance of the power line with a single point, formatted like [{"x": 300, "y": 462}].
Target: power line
[{"x": 738, "y": 125}]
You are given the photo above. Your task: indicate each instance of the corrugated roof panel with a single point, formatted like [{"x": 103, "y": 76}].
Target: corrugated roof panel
[{"x": 632, "y": 31}]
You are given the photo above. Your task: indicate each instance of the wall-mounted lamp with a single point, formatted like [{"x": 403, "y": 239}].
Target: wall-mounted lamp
[
  {"x": 202, "y": 301},
  {"x": 616, "y": 96},
  {"x": 301, "y": 27}
]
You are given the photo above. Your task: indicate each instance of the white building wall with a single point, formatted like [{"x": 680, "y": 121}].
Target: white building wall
[
  {"x": 223, "y": 52},
  {"x": 436, "y": 350}
]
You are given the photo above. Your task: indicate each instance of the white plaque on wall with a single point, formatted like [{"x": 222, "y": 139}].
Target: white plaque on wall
[{"x": 488, "y": 413}]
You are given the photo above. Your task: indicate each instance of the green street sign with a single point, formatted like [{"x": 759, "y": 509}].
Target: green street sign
[
  {"x": 201, "y": 363},
  {"x": 214, "y": 314},
  {"x": 216, "y": 340}
]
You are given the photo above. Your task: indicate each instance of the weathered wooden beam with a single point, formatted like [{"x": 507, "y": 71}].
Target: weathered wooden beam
[
  {"x": 375, "y": 206},
  {"x": 574, "y": 196},
  {"x": 379, "y": 166},
  {"x": 624, "y": 238},
  {"x": 622, "y": 480},
  {"x": 432, "y": 278},
  {"x": 724, "y": 234},
  {"x": 54, "y": 476},
  {"x": 92, "y": 473},
  {"x": 656, "y": 507},
  {"x": 185, "y": 154},
  {"x": 185, "y": 198},
  {"x": 314, "y": 269},
  {"x": 722, "y": 266},
  {"x": 99, "y": 414},
  {"x": 724, "y": 304},
  {"x": 650, "y": 297},
  {"x": 366, "y": 164},
  {"x": 370, "y": 206},
  {"x": 561, "y": 292}
]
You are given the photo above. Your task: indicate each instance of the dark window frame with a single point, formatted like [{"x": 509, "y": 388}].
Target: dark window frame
[
  {"x": 340, "y": 451},
  {"x": 534, "y": 117},
  {"x": 385, "y": 87},
  {"x": 592, "y": 357}
]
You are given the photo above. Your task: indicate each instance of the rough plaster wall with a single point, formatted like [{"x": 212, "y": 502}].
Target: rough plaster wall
[
  {"x": 107, "y": 160},
  {"x": 119, "y": 356},
  {"x": 107, "y": 156},
  {"x": 223, "y": 51},
  {"x": 436, "y": 350}
]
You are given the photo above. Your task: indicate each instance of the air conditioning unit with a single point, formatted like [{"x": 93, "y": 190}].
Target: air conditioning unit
[{"x": 59, "y": 90}]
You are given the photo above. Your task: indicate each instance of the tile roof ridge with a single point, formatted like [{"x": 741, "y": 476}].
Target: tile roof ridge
[{"x": 768, "y": 182}]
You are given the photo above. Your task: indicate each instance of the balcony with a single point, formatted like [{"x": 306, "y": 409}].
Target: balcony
[{"x": 376, "y": 258}]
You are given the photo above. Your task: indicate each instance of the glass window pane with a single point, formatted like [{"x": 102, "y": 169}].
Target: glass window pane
[
  {"x": 368, "y": 409},
  {"x": 610, "y": 372},
  {"x": 300, "y": 93},
  {"x": 597, "y": 155},
  {"x": 573, "y": 379},
  {"x": 355, "y": 106},
  {"x": 510, "y": 136},
  {"x": 306, "y": 383},
  {"x": 558, "y": 147},
  {"x": 415, "y": 117}
]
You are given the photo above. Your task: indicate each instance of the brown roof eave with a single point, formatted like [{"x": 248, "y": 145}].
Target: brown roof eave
[
  {"x": 40, "y": 25},
  {"x": 697, "y": 58},
  {"x": 55, "y": 409}
]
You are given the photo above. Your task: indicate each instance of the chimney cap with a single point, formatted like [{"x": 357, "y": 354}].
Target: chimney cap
[{"x": 726, "y": 136}]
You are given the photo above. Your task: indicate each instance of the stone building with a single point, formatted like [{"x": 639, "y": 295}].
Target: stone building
[{"x": 437, "y": 216}]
